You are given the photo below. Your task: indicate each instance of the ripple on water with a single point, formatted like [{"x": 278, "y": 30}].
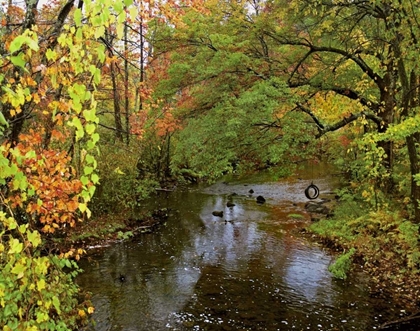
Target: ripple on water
[{"x": 249, "y": 273}]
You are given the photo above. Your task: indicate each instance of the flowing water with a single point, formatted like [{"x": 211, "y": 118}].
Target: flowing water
[{"x": 250, "y": 270}]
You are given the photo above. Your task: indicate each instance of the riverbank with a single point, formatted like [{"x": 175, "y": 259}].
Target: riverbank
[
  {"x": 386, "y": 250},
  {"x": 105, "y": 230}
]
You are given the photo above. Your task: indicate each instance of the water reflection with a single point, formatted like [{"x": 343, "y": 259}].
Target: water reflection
[{"x": 239, "y": 272}]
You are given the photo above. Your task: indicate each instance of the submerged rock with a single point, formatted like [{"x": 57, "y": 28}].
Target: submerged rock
[{"x": 217, "y": 213}]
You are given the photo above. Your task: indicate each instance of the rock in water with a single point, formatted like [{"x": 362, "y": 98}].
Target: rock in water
[{"x": 260, "y": 199}]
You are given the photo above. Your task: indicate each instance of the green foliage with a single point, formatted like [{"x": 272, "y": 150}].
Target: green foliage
[
  {"x": 408, "y": 237},
  {"x": 338, "y": 229},
  {"x": 120, "y": 188},
  {"x": 386, "y": 241},
  {"x": 124, "y": 235},
  {"x": 36, "y": 292},
  {"x": 341, "y": 266},
  {"x": 295, "y": 216}
]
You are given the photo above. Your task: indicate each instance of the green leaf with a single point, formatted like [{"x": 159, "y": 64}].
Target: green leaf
[
  {"x": 30, "y": 154},
  {"x": 34, "y": 238},
  {"x": 84, "y": 180},
  {"x": 22, "y": 228},
  {"x": 90, "y": 159},
  {"x": 51, "y": 55},
  {"x": 32, "y": 44},
  {"x": 56, "y": 304},
  {"x": 101, "y": 53},
  {"x": 118, "y": 6},
  {"x": 19, "y": 269},
  {"x": 41, "y": 317},
  {"x": 41, "y": 265},
  {"x": 78, "y": 17},
  {"x": 3, "y": 121},
  {"x": 15, "y": 246},
  {"x": 95, "y": 138},
  {"x": 79, "y": 128},
  {"x": 94, "y": 178},
  {"x": 79, "y": 34},
  {"x": 40, "y": 284},
  {"x": 99, "y": 32},
  {"x": 90, "y": 128},
  {"x": 17, "y": 43},
  {"x": 19, "y": 60},
  {"x": 92, "y": 190},
  {"x": 87, "y": 170},
  {"x": 90, "y": 115},
  {"x": 82, "y": 207}
]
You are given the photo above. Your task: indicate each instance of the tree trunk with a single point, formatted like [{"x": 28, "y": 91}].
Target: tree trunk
[
  {"x": 412, "y": 143},
  {"x": 126, "y": 104},
  {"x": 414, "y": 170},
  {"x": 142, "y": 51},
  {"x": 117, "y": 110}
]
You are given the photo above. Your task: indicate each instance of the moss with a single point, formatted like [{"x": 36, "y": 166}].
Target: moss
[{"x": 296, "y": 216}]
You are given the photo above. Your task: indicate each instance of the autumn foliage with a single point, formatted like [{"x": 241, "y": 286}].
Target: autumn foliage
[{"x": 52, "y": 198}]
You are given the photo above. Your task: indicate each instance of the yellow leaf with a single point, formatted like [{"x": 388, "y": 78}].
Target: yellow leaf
[
  {"x": 82, "y": 207},
  {"x": 118, "y": 171},
  {"x": 40, "y": 284}
]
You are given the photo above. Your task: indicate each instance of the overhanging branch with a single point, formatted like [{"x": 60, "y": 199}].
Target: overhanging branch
[{"x": 323, "y": 129}]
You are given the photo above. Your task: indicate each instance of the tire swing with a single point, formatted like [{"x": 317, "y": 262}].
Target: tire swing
[{"x": 312, "y": 192}]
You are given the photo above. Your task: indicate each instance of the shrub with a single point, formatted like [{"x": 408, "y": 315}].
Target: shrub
[
  {"x": 342, "y": 265},
  {"x": 36, "y": 292}
]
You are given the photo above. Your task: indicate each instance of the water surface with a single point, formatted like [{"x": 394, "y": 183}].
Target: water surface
[{"x": 250, "y": 270}]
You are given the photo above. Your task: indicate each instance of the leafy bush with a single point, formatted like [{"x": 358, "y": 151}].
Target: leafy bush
[
  {"x": 36, "y": 292},
  {"x": 342, "y": 265}
]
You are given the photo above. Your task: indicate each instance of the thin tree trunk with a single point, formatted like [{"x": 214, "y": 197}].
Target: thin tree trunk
[
  {"x": 141, "y": 63},
  {"x": 117, "y": 110},
  {"x": 126, "y": 105},
  {"x": 412, "y": 143}
]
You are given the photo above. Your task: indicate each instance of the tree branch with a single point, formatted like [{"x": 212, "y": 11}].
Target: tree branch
[
  {"x": 323, "y": 129},
  {"x": 353, "y": 56}
]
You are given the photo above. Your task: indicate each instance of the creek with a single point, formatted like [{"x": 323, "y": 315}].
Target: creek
[{"x": 250, "y": 270}]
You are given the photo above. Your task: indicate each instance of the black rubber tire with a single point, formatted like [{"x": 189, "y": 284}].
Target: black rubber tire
[{"x": 308, "y": 192}]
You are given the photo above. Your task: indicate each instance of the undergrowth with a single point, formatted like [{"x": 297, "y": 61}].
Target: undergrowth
[
  {"x": 385, "y": 242},
  {"x": 342, "y": 265}
]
